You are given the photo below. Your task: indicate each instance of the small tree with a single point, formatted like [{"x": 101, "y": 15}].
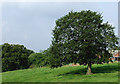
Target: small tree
[
  {"x": 14, "y": 57},
  {"x": 40, "y": 59},
  {"x": 82, "y": 37},
  {"x": 37, "y": 59}
]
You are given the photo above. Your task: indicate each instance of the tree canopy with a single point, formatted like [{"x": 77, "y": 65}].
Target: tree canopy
[
  {"x": 14, "y": 57},
  {"x": 82, "y": 37}
]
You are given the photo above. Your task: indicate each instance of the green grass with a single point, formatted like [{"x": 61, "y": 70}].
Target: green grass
[{"x": 102, "y": 73}]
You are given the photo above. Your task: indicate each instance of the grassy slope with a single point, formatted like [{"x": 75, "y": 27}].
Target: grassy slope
[{"x": 102, "y": 73}]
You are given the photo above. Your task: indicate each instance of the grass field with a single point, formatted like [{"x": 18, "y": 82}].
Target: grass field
[{"x": 102, "y": 73}]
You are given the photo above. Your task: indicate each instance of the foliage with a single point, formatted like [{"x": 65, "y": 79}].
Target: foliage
[
  {"x": 37, "y": 59},
  {"x": 14, "y": 57},
  {"x": 82, "y": 37},
  {"x": 47, "y": 54},
  {"x": 104, "y": 73},
  {"x": 40, "y": 59}
]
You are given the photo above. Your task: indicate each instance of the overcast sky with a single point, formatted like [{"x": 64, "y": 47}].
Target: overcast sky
[{"x": 31, "y": 24}]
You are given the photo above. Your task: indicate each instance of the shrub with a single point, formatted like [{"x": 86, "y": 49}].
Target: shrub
[
  {"x": 36, "y": 59},
  {"x": 40, "y": 59}
]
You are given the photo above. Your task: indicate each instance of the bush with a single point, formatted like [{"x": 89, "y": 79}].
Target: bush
[
  {"x": 36, "y": 59},
  {"x": 40, "y": 59},
  {"x": 14, "y": 57}
]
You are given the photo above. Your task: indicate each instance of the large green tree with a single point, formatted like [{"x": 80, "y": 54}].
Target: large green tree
[
  {"x": 82, "y": 37},
  {"x": 14, "y": 57}
]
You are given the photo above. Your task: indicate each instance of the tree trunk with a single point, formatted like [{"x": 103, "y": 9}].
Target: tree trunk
[{"x": 89, "y": 72}]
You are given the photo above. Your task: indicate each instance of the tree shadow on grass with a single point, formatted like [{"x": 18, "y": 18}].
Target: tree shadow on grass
[
  {"x": 95, "y": 70},
  {"x": 105, "y": 69}
]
